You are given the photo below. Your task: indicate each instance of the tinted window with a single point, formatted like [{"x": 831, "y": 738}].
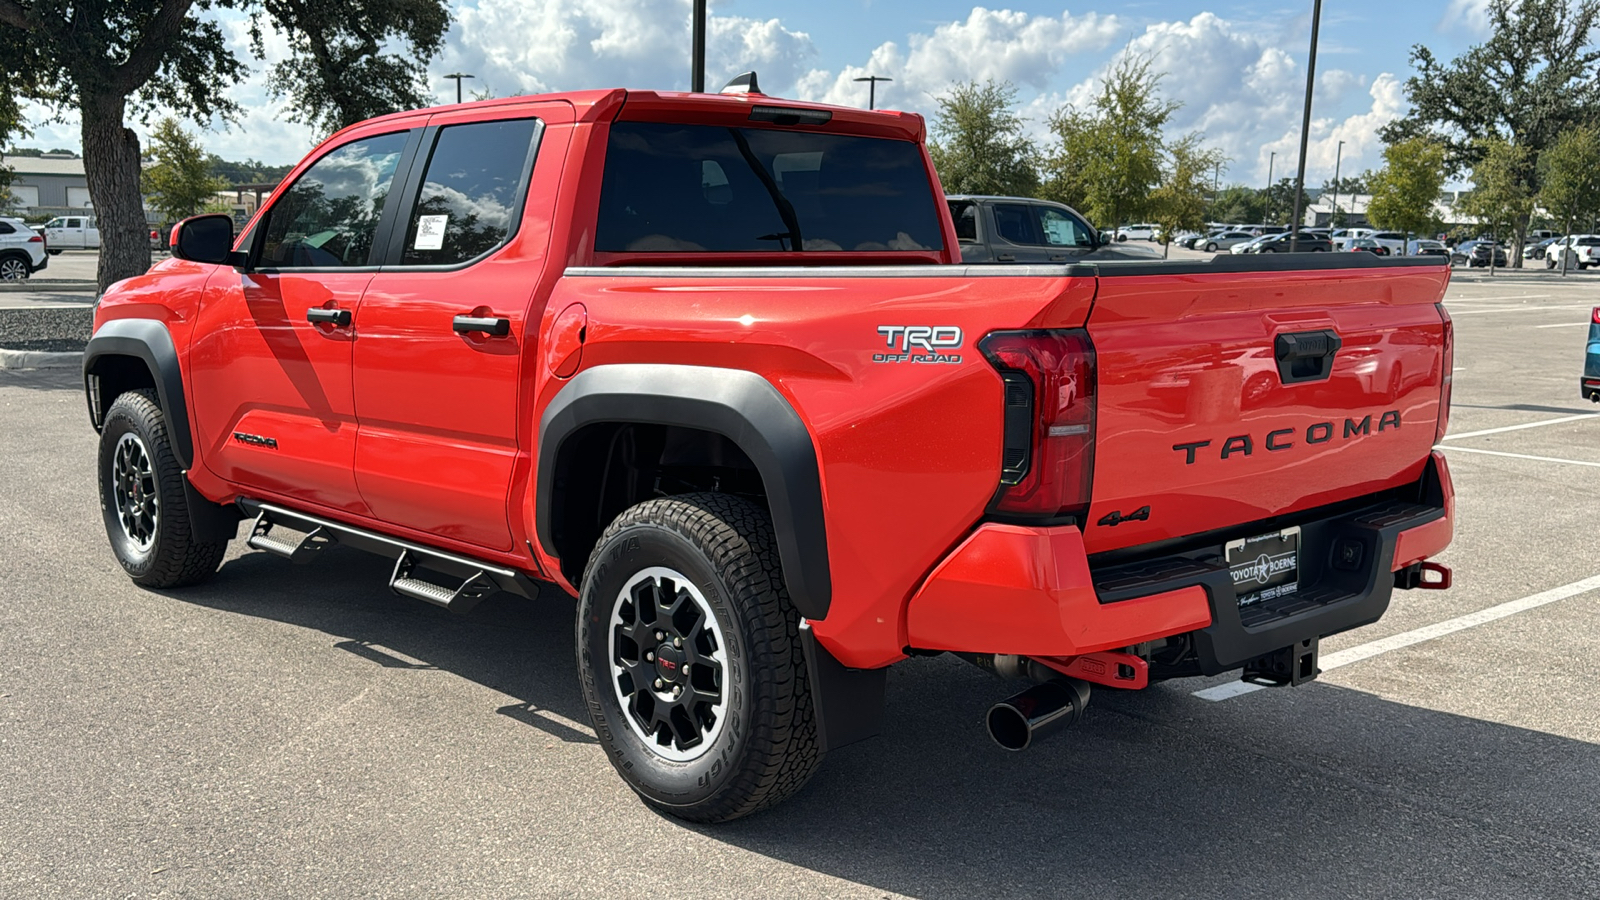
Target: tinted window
[
  {"x": 965, "y": 214},
  {"x": 5, "y": 228},
  {"x": 1060, "y": 229},
  {"x": 1015, "y": 222},
  {"x": 700, "y": 188},
  {"x": 328, "y": 216},
  {"x": 1588, "y": 242},
  {"x": 467, "y": 204}
]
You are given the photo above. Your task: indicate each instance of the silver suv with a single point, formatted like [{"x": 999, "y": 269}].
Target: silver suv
[{"x": 21, "y": 250}]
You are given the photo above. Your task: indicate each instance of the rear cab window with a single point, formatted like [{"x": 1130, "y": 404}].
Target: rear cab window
[{"x": 731, "y": 190}]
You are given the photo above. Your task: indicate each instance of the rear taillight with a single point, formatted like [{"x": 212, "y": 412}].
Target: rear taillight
[
  {"x": 36, "y": 239},
  {"x": 1448, "y": 378},
  {"x": 1595, "y": 316},
  {"x": 1047, "y": 463}
]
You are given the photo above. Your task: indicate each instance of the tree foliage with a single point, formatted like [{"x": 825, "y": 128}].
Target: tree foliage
[
  {"x": 1404, "y": 190},
  {"x": 338, "y": 72},
  {"x": 112, "y": 59},
  {"x": 1108, "y": 158},
  {"x": 247, "y": 171},
  {"x": 1180, "y": 200},
  {"x": 978, "y": 144},
  {"x": 1278, "y": 202},
  {"x": 1570, "y": 172},
  {"x": 1237, "y": 204},
  {"x": 1500, "y": 198},
  {"x": 178, "y": 181}
]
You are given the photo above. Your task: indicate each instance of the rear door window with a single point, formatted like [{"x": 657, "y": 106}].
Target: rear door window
[
  {"x": 469, "y": 201},
  {"x": 702, "y": 188},
  {"x": 329, "y": 216}
]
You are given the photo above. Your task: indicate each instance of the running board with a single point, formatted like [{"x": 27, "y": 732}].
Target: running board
[{"x": 473, "y": 579}]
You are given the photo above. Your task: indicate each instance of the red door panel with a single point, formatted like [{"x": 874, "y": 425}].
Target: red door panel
[{"x": 272, "y": 391}]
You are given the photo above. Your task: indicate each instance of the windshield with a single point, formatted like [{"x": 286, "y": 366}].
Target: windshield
[{"x": 702, "y": 188}]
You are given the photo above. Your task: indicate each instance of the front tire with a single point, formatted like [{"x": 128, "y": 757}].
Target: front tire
[
  {"x": 143, "y": 501},
  {"x": 1211, "y": 247},
  {"x": 690, "y": 659}
]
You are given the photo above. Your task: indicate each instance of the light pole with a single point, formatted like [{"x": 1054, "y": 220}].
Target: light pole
[
  {"x": 458, "y": 76},
  {"x": 1266, "y": 212},
  {"x": 1338, "y": 157},
  {"x": 872, "y": 89},
  {"x": 697, "y": 61},
  {"x": 1305, "y": 126}
]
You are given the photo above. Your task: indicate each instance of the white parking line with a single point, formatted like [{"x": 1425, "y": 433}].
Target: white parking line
[
  {"x": 1418, "y": 635},
  {"x": 1479, "y": 312},
  {"x": 1487, "y": 299},
  {"x": 1551, "y": 459},
  {"x": 1539, "y": 424},
  {"x": 1563, "y": 325}
]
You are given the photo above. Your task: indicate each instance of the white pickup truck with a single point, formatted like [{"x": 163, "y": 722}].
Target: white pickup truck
[{"x": 71, "y": 233}]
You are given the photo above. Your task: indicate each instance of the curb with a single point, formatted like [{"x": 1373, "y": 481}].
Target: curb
[
  {"x": 40, "y": 359},
  {"x": 44, "y": 286}
]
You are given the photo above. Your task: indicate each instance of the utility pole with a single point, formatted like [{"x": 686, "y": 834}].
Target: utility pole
[
  {"x": 1305, "y": 126},
  {"x": 458, "y": 76},
  {"x": 697, "y": 61},
  {"x": 1266, "y": 209},
  {"x": 1338, "y": 157},
  {"x": 872, "y": 89}
]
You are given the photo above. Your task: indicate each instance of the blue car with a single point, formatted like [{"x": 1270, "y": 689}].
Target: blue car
[{"x": 1591, "y": 363}]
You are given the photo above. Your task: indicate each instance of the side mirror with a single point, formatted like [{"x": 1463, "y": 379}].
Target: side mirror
[{"x": 205, "y": 239}]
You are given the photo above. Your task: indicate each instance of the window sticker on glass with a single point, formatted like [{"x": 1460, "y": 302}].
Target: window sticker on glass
[{"x": 430, "y": 232}]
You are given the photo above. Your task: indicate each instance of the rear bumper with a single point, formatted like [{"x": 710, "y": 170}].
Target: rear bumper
[{"x": 1031, "y": 591}]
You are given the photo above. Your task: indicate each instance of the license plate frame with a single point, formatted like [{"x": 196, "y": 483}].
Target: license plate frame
[{"x": 1264, "y": 567}]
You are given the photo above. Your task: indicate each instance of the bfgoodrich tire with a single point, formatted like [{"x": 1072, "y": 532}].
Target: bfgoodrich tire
[
  {"x": 690, "y": 659},
  {"x": 143, "y": 501}
]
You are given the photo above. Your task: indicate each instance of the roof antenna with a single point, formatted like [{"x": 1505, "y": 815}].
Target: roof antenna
[{"x": 742, "y": 84}]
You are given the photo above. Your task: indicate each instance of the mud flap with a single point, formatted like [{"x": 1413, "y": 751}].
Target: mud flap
[{"x": 848, "y": 702}]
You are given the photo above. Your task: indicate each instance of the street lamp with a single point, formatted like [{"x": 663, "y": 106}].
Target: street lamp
[
  {"x": 697, "y": 59},
  {"x": 872, "y": 90},
  {"x": 1338, "y": 156},
  {"x": 1266, "y": 211},
  {"x": 1305, "y": 125},
  {"x": 458, "y": 76}
]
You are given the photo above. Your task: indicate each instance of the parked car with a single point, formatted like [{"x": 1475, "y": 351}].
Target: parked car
[
  {"x": 1247, "y": 246},
  {"x": 72, "y": 233},
  {"x": 1394, "y": 240},
  {"x": 1023, "y": 230},
  {"x": 1589, "y": 386},
  {"x": 1342, "y": 235},
  {"x": 1224, "y": 240},
  {"x": 1427, "y": 247},
  {"x": 1581, "y": 251},
  {"x": 1282, "y": 243},
  {"x": 22, "y": 250},
  {"x": 1365, "y": 245},
  {"x": 1140, "y": 232},
  {"x": 761, "y": 483},
  {"x": 1536, "y": 249},
  {"x": 1478, "y": 254}
]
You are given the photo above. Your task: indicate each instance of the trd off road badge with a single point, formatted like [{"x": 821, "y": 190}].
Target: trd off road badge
[{"x": 919, "y": 344}]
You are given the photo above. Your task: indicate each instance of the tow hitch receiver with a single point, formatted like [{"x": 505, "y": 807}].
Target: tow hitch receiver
[{"x": 1291, "y": 666}]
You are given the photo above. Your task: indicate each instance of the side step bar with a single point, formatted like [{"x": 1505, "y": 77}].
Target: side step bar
[{"x": 473, "y": 579}]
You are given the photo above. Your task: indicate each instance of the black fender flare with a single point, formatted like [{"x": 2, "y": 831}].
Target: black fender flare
[
  {"x": 735, "y": 403},
  {"x": 149, "y": 341}
]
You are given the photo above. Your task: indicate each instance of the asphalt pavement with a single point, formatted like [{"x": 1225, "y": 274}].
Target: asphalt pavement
[{"x": 291, "y": 731}]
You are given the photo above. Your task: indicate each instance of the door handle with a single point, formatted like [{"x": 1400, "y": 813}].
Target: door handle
[
  {"x": 1059, "y": 257},
  {"x": 1006, "y": 257},
  {"x": 493, "y": 327},
  {"x": 338, "y": 318}
]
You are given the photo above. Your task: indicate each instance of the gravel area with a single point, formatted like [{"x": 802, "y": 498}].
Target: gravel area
[{"x": 45, "y": 329}]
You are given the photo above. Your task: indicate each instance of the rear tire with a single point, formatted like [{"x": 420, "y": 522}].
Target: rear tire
[
  {"x": 143, "y": 501},
  {"x": 15, "y": 268},
  {"x": 1212, "y": 247},
  {"x": 690, "y": 659}
]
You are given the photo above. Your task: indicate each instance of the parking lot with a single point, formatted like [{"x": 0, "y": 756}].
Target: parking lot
[{"x": 300, "y": 731}]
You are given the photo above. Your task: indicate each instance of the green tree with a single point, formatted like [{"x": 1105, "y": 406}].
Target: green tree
[
  {"x": 1279, "y": 201},
  {"x": 1237, "y": 204},
  {"x": 11, "y": 127},
  {"x": 1180, "y": 200},
  {"x": 1570, "y": 171},
  {"x": 178, "y": 182},
  {"x": 1500, "y": 199},
  {"x": 1107, "y": 159},
  {"x": 1532, "y": 80},
  {"x": 1404, "y": 190},
  {"x": 338, "y": 72},
  {"x": 978, "y": 144},
  {"x": 109, "y": 59}
]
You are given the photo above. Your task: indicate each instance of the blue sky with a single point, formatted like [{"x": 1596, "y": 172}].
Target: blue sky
[{"x": 1238, "y": 68}]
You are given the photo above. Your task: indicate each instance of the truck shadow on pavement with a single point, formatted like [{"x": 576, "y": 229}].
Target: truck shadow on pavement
[{"x": 1319, "y": 790}]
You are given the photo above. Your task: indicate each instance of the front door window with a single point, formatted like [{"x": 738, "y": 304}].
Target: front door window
[{"x": 329, "y": 217}]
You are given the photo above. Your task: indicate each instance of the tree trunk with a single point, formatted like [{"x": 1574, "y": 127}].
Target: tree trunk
[
  {"x": 111, "y": 166},
  {"x": 1519, "y": 237}
]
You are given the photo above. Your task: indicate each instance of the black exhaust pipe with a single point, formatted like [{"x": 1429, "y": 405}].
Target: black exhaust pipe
[{"x": 1037, "y": 712}]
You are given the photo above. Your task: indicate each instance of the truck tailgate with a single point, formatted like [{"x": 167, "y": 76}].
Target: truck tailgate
[{"x": 1201, "y": 422}]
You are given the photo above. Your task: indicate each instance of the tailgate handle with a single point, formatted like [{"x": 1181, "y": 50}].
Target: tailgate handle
[{"x": 1306, "y": 355}]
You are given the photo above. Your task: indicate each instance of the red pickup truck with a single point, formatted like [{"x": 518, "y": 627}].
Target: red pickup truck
[{"x": 710, "y": 364}]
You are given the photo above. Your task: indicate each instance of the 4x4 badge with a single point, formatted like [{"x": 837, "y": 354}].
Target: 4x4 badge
[{"x": 1113, "y": 519}]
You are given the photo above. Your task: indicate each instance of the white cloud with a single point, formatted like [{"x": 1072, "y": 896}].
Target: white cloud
[{"x": 1466, "y": 15}]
